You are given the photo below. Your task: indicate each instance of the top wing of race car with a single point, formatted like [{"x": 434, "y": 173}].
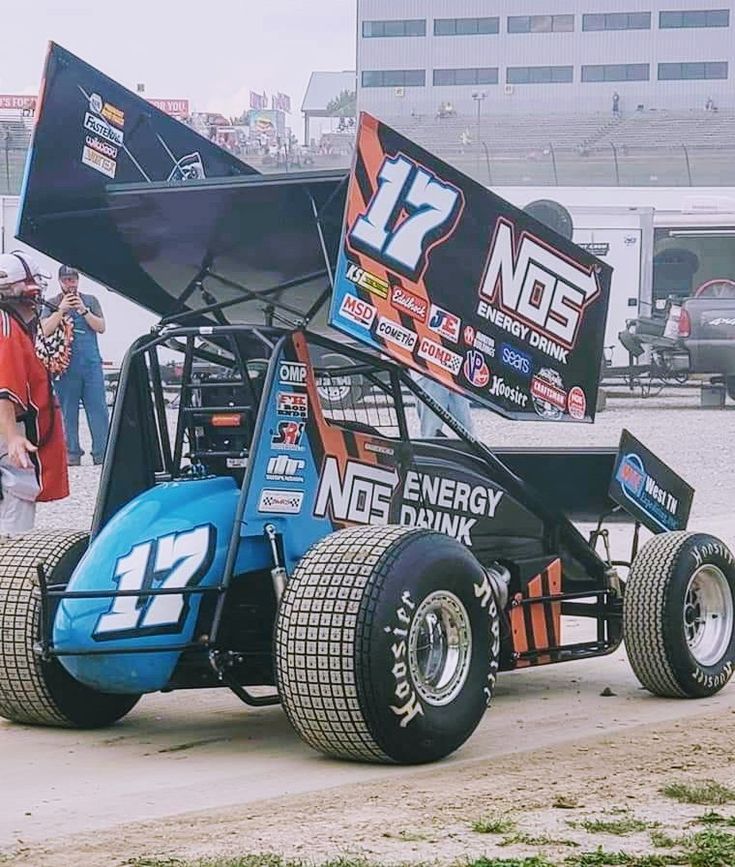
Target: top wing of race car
[{"x": 422, "y": 263}]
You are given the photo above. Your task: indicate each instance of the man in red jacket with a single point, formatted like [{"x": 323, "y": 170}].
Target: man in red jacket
[{"x": 32, "y": 449}]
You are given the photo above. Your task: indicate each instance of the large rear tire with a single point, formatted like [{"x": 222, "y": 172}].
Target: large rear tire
[
  {"x": 32, "y": 690},
  {"x": 679, "y": 615},
  {"x": 387, "y": 643}
]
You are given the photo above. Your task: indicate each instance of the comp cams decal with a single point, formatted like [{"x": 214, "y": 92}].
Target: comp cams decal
[{"x": 439, "y": 355}]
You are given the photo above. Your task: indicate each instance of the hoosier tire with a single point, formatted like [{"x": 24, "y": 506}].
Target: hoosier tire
[
  {"x": 679, "y": 615},
  {"x": 32, "y": 690},
  {"x": 386, "y": 645}
]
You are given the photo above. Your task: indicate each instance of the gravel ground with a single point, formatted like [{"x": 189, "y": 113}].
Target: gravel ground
[{"x": 699, "y": 444}]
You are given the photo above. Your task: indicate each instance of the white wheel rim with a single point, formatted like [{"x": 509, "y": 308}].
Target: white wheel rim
[
  {"x": 440, "y": 648},
  {"x": 708, "y": 615}
]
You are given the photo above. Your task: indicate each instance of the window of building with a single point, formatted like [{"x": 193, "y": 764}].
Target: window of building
[
  {"x": 617, "y": 21},
  {"x": 394, "y": 78},
  {"x": 448, "y": 77},
  {"x": 465, "y": 26},
  {"x": 539, "y": 74},
  {"x": 616, "y": 72},
  {"x": 404, "y": 27},
  {"x": 692, "y": 71},
  {"x": 695, "y": 18},
  {"x": 540, "y": 23}
]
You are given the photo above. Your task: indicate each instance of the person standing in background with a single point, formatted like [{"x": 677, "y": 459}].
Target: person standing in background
[
  {"x": 455, "y": 404},
  {"x": 32, "y": 453},
  {"x": 83, "y": 380}
]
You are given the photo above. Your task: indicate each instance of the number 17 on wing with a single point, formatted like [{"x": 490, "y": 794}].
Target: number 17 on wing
[{"x": 410, "y": 212}]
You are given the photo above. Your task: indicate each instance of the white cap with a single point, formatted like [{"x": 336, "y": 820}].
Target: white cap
[{"x": 16, "y": 267}]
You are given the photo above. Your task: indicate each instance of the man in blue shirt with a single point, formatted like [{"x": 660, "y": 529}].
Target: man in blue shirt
[{"x": 83, "y": 379}]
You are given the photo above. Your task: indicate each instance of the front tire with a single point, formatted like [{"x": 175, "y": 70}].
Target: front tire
[
  {"x": 679, "y": 615},
  {"x": 387, "y": 644},
  {"x": 32, "y": 690}
]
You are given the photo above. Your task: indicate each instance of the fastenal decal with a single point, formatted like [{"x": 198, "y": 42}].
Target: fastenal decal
[
  {"x": 439, "y": 355},
  {"x": 395, "y": 333},
  {"x": 360, "y": 277},
  {"x": 293, "y": 403},
  {"x": 362, "y": 497},
  {"x": 100, "y": 127},
  {"x": 456, "y": 506},
  {"x": 475, "y": 369},
  {"x": 100, "y": 163},
  {"x": 292, "y": 373},
  {"x": 444, "y": 323},
  {"x": 281, "y": 502},
  {"x": 357, "y": 311},
  {"x": 288, "y": 436},
  {"x": 409, "y": 303},
  {"x": 549, "y": 397},
  {"x": 282, "y": 468}
]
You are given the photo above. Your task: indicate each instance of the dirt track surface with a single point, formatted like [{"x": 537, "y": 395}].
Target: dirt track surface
[{"x": 198, "y": 774}]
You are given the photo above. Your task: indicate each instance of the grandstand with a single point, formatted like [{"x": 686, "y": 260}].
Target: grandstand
[{"x": 14, "y": 140}]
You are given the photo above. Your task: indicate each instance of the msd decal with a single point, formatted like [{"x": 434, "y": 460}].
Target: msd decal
[
  {"x": 357, "y": 311},
  {"x": 475, "y": 370},
  {"x": 293, "y": 403},
  {"x": 445, "y": 323},
  {"x": 537, "y": 284},
  {"x": 362, "y": 497},
  {"x": 407, "y": 302},
  {"x": 439, "y": 355}
]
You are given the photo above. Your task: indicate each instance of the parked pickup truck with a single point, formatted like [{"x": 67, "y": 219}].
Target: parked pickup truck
[{"x": 707, "y": 331}]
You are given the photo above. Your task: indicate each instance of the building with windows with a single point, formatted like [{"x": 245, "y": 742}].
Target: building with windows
[{"x": 447, "y": 57}]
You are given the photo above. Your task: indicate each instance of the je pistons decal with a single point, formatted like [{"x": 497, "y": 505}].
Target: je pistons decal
[
  {"x": 648, "y": 489},
  {"x": 445, "y": 323},
  {"x": 293, "y": 403}
]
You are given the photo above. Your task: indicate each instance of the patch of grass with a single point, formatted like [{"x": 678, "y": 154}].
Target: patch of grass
[
  {"x": 265, "y": 860},
  {"x": 619, "y": 827},
  {"x": 713, "y": 818},
  {"x": 531, "y": 861},
  {"x": 662, "y": 841},
  {"x": 708, "y": 792},
  {"x": 564, "y": 802},
  {"x": 711, "y": 848},
  {"x": 530, "y": 840},
  {"x": 494, "y": 825},
  {"x": 406, "y": 836},
  {"x": 601, "y": 858}
]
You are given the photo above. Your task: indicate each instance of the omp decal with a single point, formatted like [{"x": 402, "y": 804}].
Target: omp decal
[
  {"x": 98, "y": 162},
  {"x": 362, "y": 497},
  {"x": 292, "y": 373},
  {"x": 637, "y": 485},
  {"x": 396, "y": 334},
  {"x": 444, "y": 323},
  {"x": 439, "y": 355},
  {"x": 455, "y": 507},
  {"x": 281, "y": 502},
  {"x": 177, "y": 560},
  {"x": 411, "y": 211},
  {"x": 408, "y": 706},
  {"x": 407, "y": 302},
  {"x": 292, "y": 403},
  {"x": 536, "y": 626},
  {"x": 538, "y": 284},
  {"x": 365, "y": 280},
  {"x": 357, "y": 311}
]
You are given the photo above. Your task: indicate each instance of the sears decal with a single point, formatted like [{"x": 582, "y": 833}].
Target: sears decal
[
  {"x": 281, "y": 502},
  {"x": 288, "y": 436},
  {"x": 357, "y": 311},
  {"x": 282, "y": 468},
  {"x": 455, "y": 507},
  {"x": 475, "y": 369},
  {"x": 517, "y": 360},
  {"x": 549, "y": 396},
  {"x": 440, "y": 356},
  {"x": 292, "y": 373},
  {"x": 396, "y": 334},
  {"x": 407, "y": 302},
  {"x": 444, "y": 323},
  {"x": 362, "y": 497},
  {"x": 293, "y": 404}
]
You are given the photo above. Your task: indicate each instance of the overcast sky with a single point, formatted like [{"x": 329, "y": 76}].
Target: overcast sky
[{"x": 212, "y": 52}]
